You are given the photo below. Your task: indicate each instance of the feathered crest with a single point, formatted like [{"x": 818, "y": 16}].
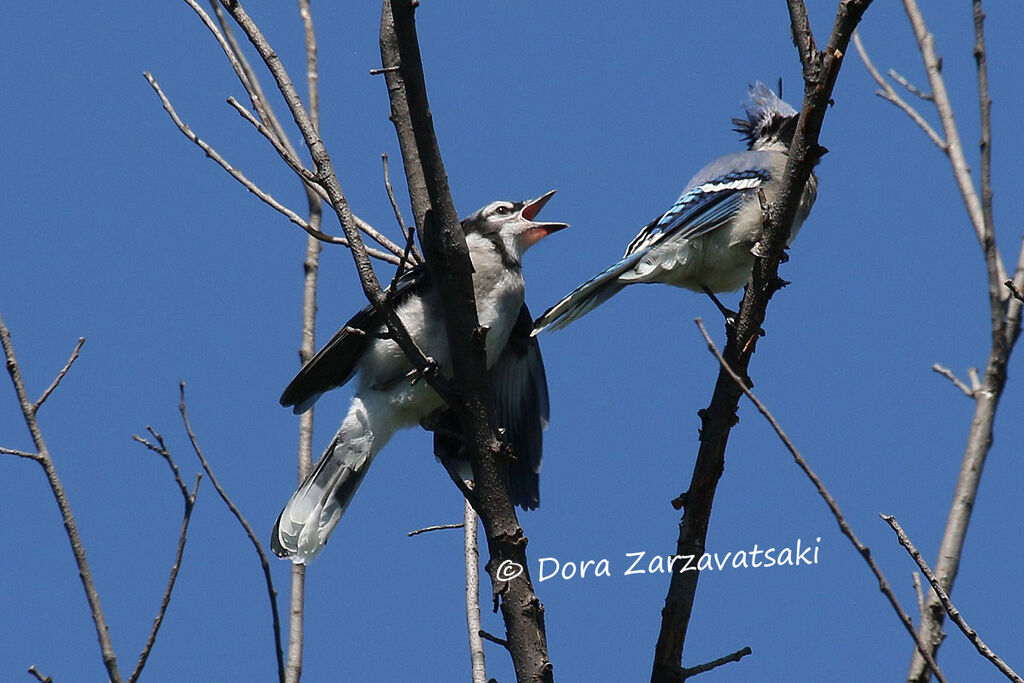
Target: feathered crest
[{"x": 768, "y": 119}]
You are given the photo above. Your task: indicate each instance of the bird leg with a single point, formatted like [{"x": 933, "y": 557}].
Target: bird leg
[{"x": 728, "y": 314}]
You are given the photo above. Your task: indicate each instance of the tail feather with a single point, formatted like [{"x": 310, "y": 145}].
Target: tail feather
[
  {"x": 587, "y": 296},
  {"x": 309, "y": 517}
]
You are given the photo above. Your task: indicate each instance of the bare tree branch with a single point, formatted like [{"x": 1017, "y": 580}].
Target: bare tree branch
[
  {"x": 42, "y": 456},
  {"x": 954, "y": 149},
  {"x": 911, "y": 88},
  {"x": 250, "y": 82},
  {"x": 996, "y": 272},
  {"x": 39, "y": 677},
  {"x": 865, "y": 552},
  {"x": 409, "y": 233},
  {"x": 494, "y": 639},
  {"x": 271, "y": 592},
  {"x": 327, "y": 179},
  {"x": 953, "y": 612},
  {"x": 476, "y": 643},
  {"x": 889, "y": 94},
  {"x": 311, "y": 270},
  {"x": 20, "y": 454},
  {"x": 436, "y": 527},
  {"x": 160, "y": 448},
  {"x": 948, "y": 374},
  {"x": 820, "y": 70},
  {"x": 803, "y": 38},
  {"x": 447, "y": 259},
  {"x": 190, "y": 502},
  {"x": 251, "y": 186},
  {"x": 916, "y": 578},
  {"x": 60, "y": 375},
  {"x": 1004, "y": 312},
  {"x": 690, "y": 672},
  {"x": 309, "y": 179}
]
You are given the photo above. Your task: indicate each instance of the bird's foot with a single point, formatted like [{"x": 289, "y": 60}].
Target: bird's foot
[{"x": 727, "y": 313}]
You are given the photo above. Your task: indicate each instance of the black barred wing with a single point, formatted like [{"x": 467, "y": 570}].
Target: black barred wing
[{"x": 700, "y": 209}]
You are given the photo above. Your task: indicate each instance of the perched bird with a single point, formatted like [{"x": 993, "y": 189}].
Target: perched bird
[
  {"x": 704, "y": 241},
  {"x": 386, "y": 399}
]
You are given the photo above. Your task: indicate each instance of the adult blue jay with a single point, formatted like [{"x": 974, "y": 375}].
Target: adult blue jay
[
  {"x": 704, "y": 241},
  {"x": 387, "y": 399}
]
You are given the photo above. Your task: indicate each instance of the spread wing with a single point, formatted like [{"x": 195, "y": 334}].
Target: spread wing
[{"x": 336, "y": 362}]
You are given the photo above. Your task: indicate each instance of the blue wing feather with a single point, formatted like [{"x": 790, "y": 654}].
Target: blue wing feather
[
  {"x": 701, "y": 209},
  {"x": 712, "y": 199}
]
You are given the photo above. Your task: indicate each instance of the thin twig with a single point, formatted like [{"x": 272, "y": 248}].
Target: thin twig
[
  {"x": 236, "y": 58},
  {"x": 327, "y": 178},
  {"x": 953, "y": 612},
  {"x": 251, "y": 186},
  {"x": 1004, "y": 316},
  {"x": 39, "y": 677},
  {"x": 278, "y": 138},
  {"x": 307, "y": 176},
  {"x": 315, "y": 190},
  {"x": 972, "y": 374},
  {"x": 190, "y": 502},
  {"x": 916, "y": 578},
  {"x": 690, "y": 671},
  {"x": 889, "y": 94},
  {"x": 438, "y": 527},
  {"x": 997, "y": 295},
  {"x": 948, "y": 374},
  {"x": 63, "y": 371},
  {"x": 911, "y": 88},
  {"x": 271, "y": 592},
  {"x": 250, "y": 82},
  {"x": 408, "y": 233},
  {"x": 20, "y": 454},
  {"x": 494, "y": 639},
  {"x": 311, "y": 270},
  {"x": 954, "y": 147},
  {"x": 864, "y": 551},
  {"x": 42, "y": 456},
  {"x": 162, "y": 451},
  {"x": 472, "y": 553}
]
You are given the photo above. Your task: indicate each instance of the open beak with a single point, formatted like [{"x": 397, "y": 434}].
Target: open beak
[{"x": 540, "y": 230}]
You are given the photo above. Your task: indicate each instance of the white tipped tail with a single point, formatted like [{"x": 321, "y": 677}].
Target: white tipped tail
[{"x": 314, "y": 509}]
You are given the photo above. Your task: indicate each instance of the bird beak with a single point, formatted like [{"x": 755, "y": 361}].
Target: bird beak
[{"x": 540, "y": 230}]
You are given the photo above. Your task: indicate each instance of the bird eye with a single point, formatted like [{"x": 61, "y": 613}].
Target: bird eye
[{"x": 502, "y": 210}]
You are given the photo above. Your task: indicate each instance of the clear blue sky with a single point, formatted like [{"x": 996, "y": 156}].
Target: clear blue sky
[{"x": 118, "y": 229}]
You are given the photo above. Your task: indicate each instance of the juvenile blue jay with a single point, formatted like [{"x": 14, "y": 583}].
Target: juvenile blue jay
[
  {"x": 387, "y": 399},
  {"x": 704, "y": 241}
]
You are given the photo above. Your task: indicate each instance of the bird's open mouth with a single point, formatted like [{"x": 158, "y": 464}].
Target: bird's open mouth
[{"x": 540, "y": 229}]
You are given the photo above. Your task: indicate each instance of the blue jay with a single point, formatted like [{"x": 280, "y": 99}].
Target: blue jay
[
  {"x": 386, "y": 399},
  {"x": 704, "y": 241}
]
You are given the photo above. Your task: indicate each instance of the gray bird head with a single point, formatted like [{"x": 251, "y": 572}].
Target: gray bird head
[
  {"x": 511, "y": 225},
  {"x": 770, "y": 122}
]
